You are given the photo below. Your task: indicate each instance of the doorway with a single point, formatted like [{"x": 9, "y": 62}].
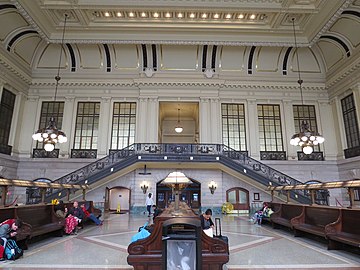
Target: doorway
[
  {"x": 190, "y": 195},
  {"x": 119, "y": 197},
  {"x": 184, "y": 115},
  {"x": 239, "y": 198}
]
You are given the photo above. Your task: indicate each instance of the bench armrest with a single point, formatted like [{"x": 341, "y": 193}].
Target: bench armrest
[
  {"x": 299, "y": 219},
  {"x": 277, "y": 213},
  {"x": 335, "y": 227}
]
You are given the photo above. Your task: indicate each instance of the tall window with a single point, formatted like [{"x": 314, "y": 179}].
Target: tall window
[
  {"x": 123, "y": 125},
  {"x": 270, "y": 133},
  {"x": 50, "y": 109},
  {"x": 233, "y": 126},
  {"x": 305, "y": 113},
  {"x": 87, "y": 125},
  {"x": 350, "y": 121},
  {"x": 6, "y": 112}
]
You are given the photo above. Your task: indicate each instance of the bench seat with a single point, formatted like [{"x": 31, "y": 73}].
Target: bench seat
[
  {"x": 284, "y": 215},
  {"x": 346, "y": 238}
]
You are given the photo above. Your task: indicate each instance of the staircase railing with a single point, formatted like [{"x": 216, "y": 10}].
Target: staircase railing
[{"x": 155, "y": 152}]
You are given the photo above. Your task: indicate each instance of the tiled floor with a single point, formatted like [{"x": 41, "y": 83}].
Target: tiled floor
[{"x": 251, "y": 247}]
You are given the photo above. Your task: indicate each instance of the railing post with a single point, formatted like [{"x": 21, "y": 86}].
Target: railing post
[
  {"x": 43, "y": 192},
  {"x": 83, "y": 193},
  {"x": 68, "y": 194},
  {"x": 287, "y": 196},
  {"x": 4, "y": 194},
  {"x": 351, "y": 197},
  {"x": 272, "y": 195},
  {"x": 312, "y": 195}
]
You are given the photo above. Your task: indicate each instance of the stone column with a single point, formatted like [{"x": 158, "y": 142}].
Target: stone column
[
  {"x": 29, "y": 124},
  {"x": 216, "y": 127},
  {"x": 204, "y": 121},
  {"x": 289, "y": 129},
  {"x": 356, "y": 91},
  {"x": 252, "y": 129},
  {"x": 326, "y": 128},
  {"x": 339, "y": 130},
  {"x": 68, "y": 124},
  {"x": 104, "y": 127},
  {"x": 152, "y": 123},
  {"x": 141, "y": 119}
]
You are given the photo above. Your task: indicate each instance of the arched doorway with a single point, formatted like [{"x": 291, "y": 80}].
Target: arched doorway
[
  {"x": 239, "y": 198},
  {"x": 190, "y": 195},
  {"x": 118, "y": 196}
]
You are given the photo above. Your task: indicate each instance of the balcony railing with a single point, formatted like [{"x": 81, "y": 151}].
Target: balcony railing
[{"x": 154, "y": 152}]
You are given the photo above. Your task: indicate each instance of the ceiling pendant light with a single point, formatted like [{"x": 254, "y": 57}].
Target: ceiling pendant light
[
  {"x": 306, "y": 138},
  {"x": 51, "y": 135},
  {"x": 178, "y": 128}
]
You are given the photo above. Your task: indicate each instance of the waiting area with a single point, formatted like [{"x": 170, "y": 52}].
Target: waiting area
[{"x": 251, "y": 247}]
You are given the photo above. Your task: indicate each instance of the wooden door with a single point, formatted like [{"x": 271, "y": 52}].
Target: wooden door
[{"x": 239, "y": 198}]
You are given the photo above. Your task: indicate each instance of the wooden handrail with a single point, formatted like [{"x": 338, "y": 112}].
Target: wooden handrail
[
  {"x": 27, "y": 183},
  {"x": 327, "y": 185}
]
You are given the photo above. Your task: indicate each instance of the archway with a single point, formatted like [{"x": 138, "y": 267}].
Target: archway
[
  {"x": 190, "y": 195},
  {"x": 118, "y": 197},
  {"x": 239, "y": 198}
]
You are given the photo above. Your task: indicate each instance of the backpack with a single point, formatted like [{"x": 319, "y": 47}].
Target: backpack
[{"x": 12, "y": 251}]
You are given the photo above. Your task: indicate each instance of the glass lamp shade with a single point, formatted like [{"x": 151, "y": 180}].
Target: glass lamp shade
[
  {"x": 307, "y": 150},
  {"x": 49, "y": 147},
  {"x": 179, "y": 129}
]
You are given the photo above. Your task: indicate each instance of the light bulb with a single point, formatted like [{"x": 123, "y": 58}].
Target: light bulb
[
  {"x": 304, "y": 138},
  {"x": 307, "y": 150},
  {"x": 297, "y": 140},
  {"x": 312, "y": 138},
  {"x": 315, "y": 142},
  {"x": 53, "y": 135},
  {"x": 49, "y": 147},
  {"x": 292, "y": 142},
  {"x": 45, "y": 135},
  {"x": 178, "y": 129}
]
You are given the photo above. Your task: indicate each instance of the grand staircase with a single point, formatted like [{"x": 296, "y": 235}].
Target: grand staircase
[{"x": 153, "y": 152}]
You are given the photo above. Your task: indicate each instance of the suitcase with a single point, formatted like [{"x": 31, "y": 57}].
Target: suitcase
[{"x": 218, "y": 231}]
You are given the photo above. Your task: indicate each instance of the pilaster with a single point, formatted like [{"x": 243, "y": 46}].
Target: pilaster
[
  {"x": 28, "y": 126},
  {"x": 215, "y": 120},
  {"x": 289, "y": 129},
  {"x": 68, "y": 124},
  {"x": 205, "y": 120},
  {"x": 16, "y": 122},
  {"x": 152, "y": 123},
  {"x": 326, "y": 128},
  {"x": 104, "y": 127},
  {"x": 253, "y": 129},
  {"x": 141, "y": 120}
]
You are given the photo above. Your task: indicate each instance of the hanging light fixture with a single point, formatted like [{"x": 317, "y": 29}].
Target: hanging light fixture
[
  {"x": 178, "y": 128},
  {"x": 306, "y": 138},
  {"x": 51, "y": 135}
]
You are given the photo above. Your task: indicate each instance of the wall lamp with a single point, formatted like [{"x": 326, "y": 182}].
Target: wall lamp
[
  {"x": 144, "y": 187},
  {"x": 212, "y": 187}
]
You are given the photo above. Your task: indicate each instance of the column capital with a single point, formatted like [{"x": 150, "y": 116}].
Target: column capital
[
  {"x": 33, "y": 98},
  {"x": 105, "y": 99},
  {"x": 69, "y": 98}
]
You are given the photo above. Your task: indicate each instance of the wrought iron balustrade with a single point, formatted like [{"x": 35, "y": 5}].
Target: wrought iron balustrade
[{"x": 155, "y": 152}]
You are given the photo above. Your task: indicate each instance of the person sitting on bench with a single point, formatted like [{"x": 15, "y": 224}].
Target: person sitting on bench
[
  {"x": 90, "y": 215},
  {"x": 77, "y": 213}
]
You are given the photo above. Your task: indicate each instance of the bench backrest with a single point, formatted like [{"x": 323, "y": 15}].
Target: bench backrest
[
  {"x": 36, "y": 215},
  {"x": 289, "y": 211},
  {"x": 350, "y": 221},
  {"x": 7, "y": 213},
  {"x": 274, "y": 206},
  {"x": 320, "y": 216}
]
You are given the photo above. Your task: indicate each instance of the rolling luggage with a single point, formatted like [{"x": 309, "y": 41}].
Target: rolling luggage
[{"x": 218, "y": 231}]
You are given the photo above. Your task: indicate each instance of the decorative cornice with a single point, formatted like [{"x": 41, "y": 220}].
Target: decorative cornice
[
  {"x": 26, "y": 79},
  {"x": 219, "y": 84},
  {"x": 330, "y": 22},
  {"x": 352, "y": 72},
  {"x": 30, "y": 20}
]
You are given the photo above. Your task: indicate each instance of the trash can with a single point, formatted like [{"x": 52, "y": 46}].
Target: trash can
[{"x": 182, "y": 244}]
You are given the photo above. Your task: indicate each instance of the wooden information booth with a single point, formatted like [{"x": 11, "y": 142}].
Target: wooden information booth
[{"x": 148, "y": 253}]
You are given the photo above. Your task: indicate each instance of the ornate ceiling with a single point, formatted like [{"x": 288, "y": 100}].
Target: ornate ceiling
[{"x": 232, "y": 22}]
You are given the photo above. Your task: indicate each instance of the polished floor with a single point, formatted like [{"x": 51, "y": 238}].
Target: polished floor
[{"x": 251, "y": 247}]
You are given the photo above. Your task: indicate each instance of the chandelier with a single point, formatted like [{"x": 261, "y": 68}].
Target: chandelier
[
  {"x": 178, "y": 128},
  {"x": 306, "y": 138},
  {"x": 51, "y": 135}
]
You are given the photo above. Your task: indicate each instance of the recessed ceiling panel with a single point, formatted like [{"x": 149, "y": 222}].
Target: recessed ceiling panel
[
  {"x": 267, "y": 59},
  {"x": 9, "y": 22},
  {"x": 232, "y": 58},
  {"x": 91, "y": 56},
  {"x": 26, "y": 48},
  {"x": 49, "y": 58},
  {"x": 332, "y": 53},
  {"x": 307, "y": 60},
  {"x": 350, "y": 28},
  {"x": 126, "y": 57},
  {"x": 179, "y": 57}
]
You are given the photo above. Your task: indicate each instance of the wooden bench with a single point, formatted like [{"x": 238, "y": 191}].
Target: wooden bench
[
  {"x": 41, "y": 218},
  {"x": 147, "y": 254},
  {"x": 284, "y": 215},
  {"x": 274, "y": 207},
  {"x": 345, "y": 230},
  {"x": 313, "y": 220}
]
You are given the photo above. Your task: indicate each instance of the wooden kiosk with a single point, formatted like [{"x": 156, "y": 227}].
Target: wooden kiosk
[{"x": 150, "y": 253}]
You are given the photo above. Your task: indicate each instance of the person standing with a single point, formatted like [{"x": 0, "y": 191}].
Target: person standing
[{"x": 149, "y": 203}]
